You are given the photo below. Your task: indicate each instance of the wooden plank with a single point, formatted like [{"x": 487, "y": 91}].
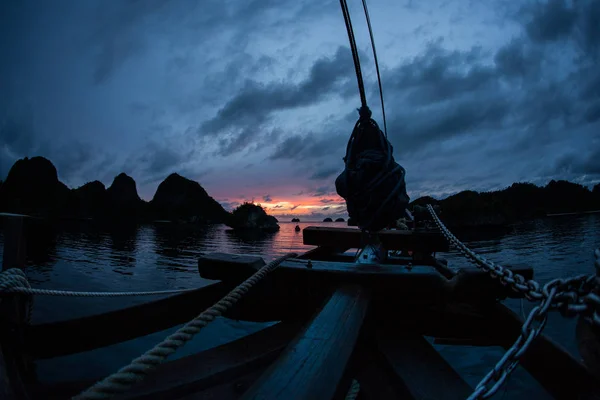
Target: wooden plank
[
  {"x": 322, "y": 252},
  {"x": 424, "y": 372},
  {"x": 396, "y": 281},
  {"x": 201, "y": 373},
  {"x": 217, "y": 266},
  {"x": 230, "y": 267},
  {"x": 377, "y": 380},
  {"x": 418, "y": 241},
  {"x": 313, "y": 365},
  {"x": 553, "y": 367},
  {"x": 82, "y": 334},
  {"x": 401, "y": 281}
]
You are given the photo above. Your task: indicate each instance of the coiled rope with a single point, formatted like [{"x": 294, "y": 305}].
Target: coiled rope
[
  {"x": 140, "y": 367},
  {"x": 353, "y": 391}
]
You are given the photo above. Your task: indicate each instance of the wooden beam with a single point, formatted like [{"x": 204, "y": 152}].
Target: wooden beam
[
  {"x": 377, "y": 380},
  {"x": 427, "y": 281},
  {"x": 418, "y": 241},
  {"x": 87, "y": 333},
  {"x": 553, "y": 367},
  {"x": 210, "y": 371},
  {"x": 424, "y": 372},
  {"x": 313, "y": 365},
  {"x": 322, "y": 252},
  {"x": 223, "y": 266},
  {"x": 228, "y": 267}
]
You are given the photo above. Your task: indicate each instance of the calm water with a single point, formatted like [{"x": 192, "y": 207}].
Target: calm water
[{"x": 160, "y": 257}]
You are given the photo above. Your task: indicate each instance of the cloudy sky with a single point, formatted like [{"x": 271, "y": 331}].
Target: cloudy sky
[{"x": 256, "y": 99}]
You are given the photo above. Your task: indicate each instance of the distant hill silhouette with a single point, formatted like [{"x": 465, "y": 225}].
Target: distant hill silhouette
[
  {"x": 32, "y": 187},
  {"x": 181, "y": 198},
  {"x": 517, "y": 202}
]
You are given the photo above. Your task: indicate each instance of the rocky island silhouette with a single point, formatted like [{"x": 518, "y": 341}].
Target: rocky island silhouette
[{"x": 32, "y": 187}]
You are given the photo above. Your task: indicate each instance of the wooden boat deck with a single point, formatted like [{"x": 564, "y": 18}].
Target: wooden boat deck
[{"x": 336, "y": 321}]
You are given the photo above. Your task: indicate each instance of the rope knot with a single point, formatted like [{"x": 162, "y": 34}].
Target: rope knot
[
  {"x": 11, "y": 279},
  {"x": 364, "y": 113}
]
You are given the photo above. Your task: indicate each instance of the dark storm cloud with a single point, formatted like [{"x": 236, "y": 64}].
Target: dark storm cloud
[
  {"x": 551, "y": 21},
  {"x": 102, "y": 75},
  {"x": 440, "y": 75},
  {"x": 116, "y": 35},
  {"x": 578, "y": 164},
  {"x": 326, "y": 190},
  {"x": 17, "y": 133},
  {"x": 255, "y": 102},
  {"x": 326, "y": 172},
  {"x": 19, "y": 137},
  {"x": 518, "y": 60},
  {"x": 312, "y": 146}
]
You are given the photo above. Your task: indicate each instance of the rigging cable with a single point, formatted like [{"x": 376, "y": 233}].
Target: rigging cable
[
  {"x": 372, "y": 183},
  {"x": 376, "y": 65},
  {"x": 353, "y": 48}
]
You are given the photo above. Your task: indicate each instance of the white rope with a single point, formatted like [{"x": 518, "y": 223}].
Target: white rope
[
  {"x": 14, "y": 281},
  {"x": 139, "y": 368},
  {"x": 354, "y": 390}
]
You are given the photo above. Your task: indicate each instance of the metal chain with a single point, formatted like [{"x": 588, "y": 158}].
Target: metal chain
[
  {"x": 574, "y": 296},
  {"x": 571, "y": 296},
  {"x": 533, "y": 326}
]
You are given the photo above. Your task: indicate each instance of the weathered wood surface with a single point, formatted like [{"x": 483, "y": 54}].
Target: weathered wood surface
[
  {"x": 323, "y": 252},
  {"x": 418, "y": 241},
  {"x": 219, "y": 370},
  {"x": 313, "y": 365},
  {"x": 426, "y": 375},
  {"x": 82, "y": 334},
  {"x": 403, "y": 281},
  {"x": 377, "y": 379},
  {"x": 224, "y": 266},
  {"x": 553, "y": 367}
]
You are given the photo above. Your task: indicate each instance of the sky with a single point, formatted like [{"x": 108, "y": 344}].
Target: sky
[{"x": 256, "y": 99}]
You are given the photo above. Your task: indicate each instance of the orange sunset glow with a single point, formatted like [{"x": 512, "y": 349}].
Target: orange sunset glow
[{"x": 307, "y": 206}]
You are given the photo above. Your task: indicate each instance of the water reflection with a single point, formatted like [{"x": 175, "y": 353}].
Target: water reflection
[
  {"x": 41, "y": 240},
  {"x": 123, "y": 244},
  {"x": 176, "y": 245},
  {"x": 254, "y": 242}
]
